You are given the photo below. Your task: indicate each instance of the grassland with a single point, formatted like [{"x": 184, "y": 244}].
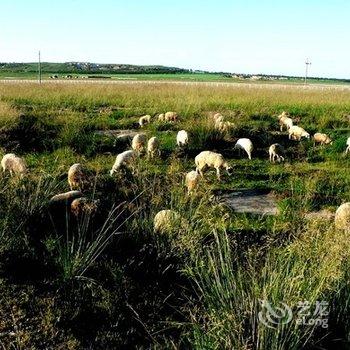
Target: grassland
[{"x": 198, "y": 287}]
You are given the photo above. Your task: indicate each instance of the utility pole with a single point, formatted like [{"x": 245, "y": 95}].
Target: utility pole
[
  {"x": 307, "y": 64},
  {"x": 39, "y": 69}
]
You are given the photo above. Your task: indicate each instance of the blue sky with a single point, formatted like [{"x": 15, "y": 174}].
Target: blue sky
[{"x": 245, "y": 36}]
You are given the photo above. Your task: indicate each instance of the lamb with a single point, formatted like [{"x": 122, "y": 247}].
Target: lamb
[
  {"x": 77, "y": 177},
  {"x": 182, "y": 138},
  {"x": 246, "y": 145},
  {"x": 276, "y": 151},
  {"x": 161, "y": 117},
  {"x": 167, "y": 221},
  {"x": 212, "y": 160},
  {"x": 153, "y": 147},
  {"x": 123, "y": 159},
  {"x": 323, "y": 139},
  {"x": 13, "y": 164},
  {"x": 342, "y": 217},
  {"x": 296, "y": 133},
  {"x": 83, "y": 205},
  {"x": 171, "y": 117},
  {"x": 191, "y": 180},
  {"x": 138, "y": 143},
  {"x": 284, "y": 120},
  {"x": 146, "y": 119},
  {"x": 348, "y": 146}
]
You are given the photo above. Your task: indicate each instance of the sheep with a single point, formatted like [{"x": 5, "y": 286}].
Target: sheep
[
  {"x": 284, "y": 120},
  {"x": 77, "y": 177},
  {"x": 276, "y": 151},
  {"x": 161, "y": 117},
  {"x": 13, "y": 164},
  {"x": 348, "y": 146},
  {"x": 182, "y": 138},
  {"x": 191, "y": 180},
  {"x": 212, "y": 160},
  {"x": 342, "y": 217},
  {"x": 83, "y": 205},
  {"x": 138, "y": 143},
  {"x": 123, "y": 160},
  {"x": 296, "y": 133},
  {"x": 153, "y": 147},
  {"x": 246, "y": 145},
  {"x": 171, "y": 117},
  {"x": 146, "y": 119},
  {"x": 167, "y": 221},
  {"x": 323, "y": 139}
]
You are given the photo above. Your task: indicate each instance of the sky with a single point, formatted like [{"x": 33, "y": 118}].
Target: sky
[{"x": 242, "y": 36}]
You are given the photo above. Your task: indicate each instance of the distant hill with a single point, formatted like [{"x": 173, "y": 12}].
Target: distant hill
[{"x": 88, "y": 68}]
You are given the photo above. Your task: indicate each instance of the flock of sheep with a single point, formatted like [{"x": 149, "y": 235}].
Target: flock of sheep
[{"x": 167, "y": 219}]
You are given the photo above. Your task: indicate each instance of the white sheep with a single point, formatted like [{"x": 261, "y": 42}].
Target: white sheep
[
  {"x": 171, "y": 117},
  {"x": 276, "y": 151},
  {"x": 65, "y": 198},
  {"x": 211, "y": 159},
  {"x": 296, "y": 133},
  {"x": 182, "y": 138},
  {"x": 84, "y": 205},
  {"x": 348, "y": 146},
  {"x": 322, "y": 139},
  {"x": 161, "y": 117},
  {"x": 284, "y": 120},
  {"x": 146, "y": 119},
  {"x": 77, "y": 177},
  {"x": 167, "y": 221},
  {"x": 191, "y": 180},
  {"x": 123, "y": 159},
  {"x": 153, "y": 147},
  {"x": 10, "y": 162},
  {"x": 342, "y": 217},
  {"x": 246, "y": 145},
  {"x": 138, "y": 143}
]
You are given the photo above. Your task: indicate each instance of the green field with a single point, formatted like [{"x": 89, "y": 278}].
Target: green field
[{"x": 109, "y": 281}]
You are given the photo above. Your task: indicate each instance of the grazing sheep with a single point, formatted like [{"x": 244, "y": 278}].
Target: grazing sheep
[
  {"x": 191, "y": 180},
  {"x": 212, "y": 160},
  {"x": 13, "y": 164},
  {"x": 171, "y": 117},
  {"x": 348, "y": 146},
  {"x": 246, "y": 145},
  {"x": 146, "y": 119},
  {"x": 123, "y": 160},
  {"x": 153, "y": 147},
  {"x": 284, "y": 120},
  {"x": 83, "y": 205},
  {"x": 296, "y": 133},
  {"x": 77, "y": 177},
  {"x": 138, "y": 143},
  {"x": 167, "y": 221},
  {"x": 161, "y": 117},
  {"x": 182, "y": 138},
  {"x": 323, "y": 139},
  {"x": 342, "y": 217},
  {"x": 276, "y": 151}
]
